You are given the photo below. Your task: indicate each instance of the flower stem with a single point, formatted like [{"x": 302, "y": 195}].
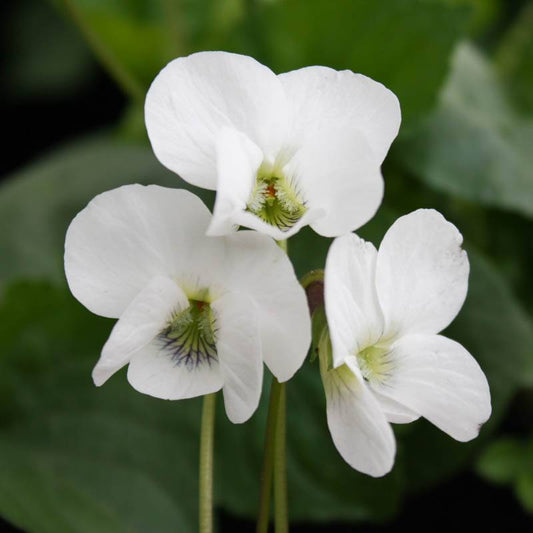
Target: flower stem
[
  {"x": 127, "y": 82},
  {"x": 207, "y": 437},
  {"x": 274, "y": 458},
  {"x": 281, "y": 512},
  {"x": 268, "y": 458}
]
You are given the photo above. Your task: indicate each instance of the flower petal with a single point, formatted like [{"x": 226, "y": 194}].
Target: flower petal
[
  {"x": 239, "y": 354},
  {"x": 238, "y": 160},
  {"x": 126, "y": 237},
  {"x": 153, "y": 370},
  {"x": 437, "y": 378},
  {"x": 422, "y": 273},
  {"x": 259, "y": 268},
  {"x": 354, "y": 317},
  {"x": 322, "y": 99},
  {"x": 194, "y": 96},
  {"x": 338, "y": 174},
  {"x": 356, "y": 422},
  {"x": 140, "y": 323},
  {"x": 395, "y": 412},
  {"x": 249, "y": 220}
]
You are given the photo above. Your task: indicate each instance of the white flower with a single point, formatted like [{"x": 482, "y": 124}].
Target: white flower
[
  {"x": 385, "y": 309},
  {"x": 301, "y": 148},
  {"x": 196, "y": 313}
]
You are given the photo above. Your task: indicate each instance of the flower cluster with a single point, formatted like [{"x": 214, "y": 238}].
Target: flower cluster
[{"x": 201, "y": 305}]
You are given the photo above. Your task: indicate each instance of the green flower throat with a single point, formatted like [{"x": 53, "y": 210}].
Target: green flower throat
[
  {"x": 190, "y": 336},
  {"x": 275, "y": 200}
]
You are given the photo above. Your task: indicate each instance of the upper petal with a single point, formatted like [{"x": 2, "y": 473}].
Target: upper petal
[
  {"x": 354, "y": 317},
  {"x": 140, "y": 323},
  {"x": 321, "y": 99},
  {"x": 357, "y": 423},
  {"x": 238, "y": 159},
  {"x": 194, "y": 96},
  {"x": 259, "y": 268},
  {"x": 422, "y": 273},
  {"x": 239, "y": 354},
  {"x": 338, "y": 175},
  {"x": 126, "y": 237},
  {"x": 437, "y": 378}
]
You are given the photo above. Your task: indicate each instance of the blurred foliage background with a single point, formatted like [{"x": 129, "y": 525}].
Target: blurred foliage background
[{"x": 74, "y": 458}]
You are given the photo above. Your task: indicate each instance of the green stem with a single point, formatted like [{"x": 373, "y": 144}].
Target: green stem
[
  {"x": 274, "y": 458},
  {"x": 207, "y": 437},
  {"x": 268, "y": 458},
  {"x": 127, "y": 82},
  {"x": 281, "y": 512}
]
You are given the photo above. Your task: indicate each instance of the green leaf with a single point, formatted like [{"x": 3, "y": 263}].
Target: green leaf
[
  {"x": 510, "y": 461},
  {"x": 514, "y": 59},
  {"x": 405, "y": 45},
  {"x": 502, "y": 461},
  {"x": 38, "y": 203},
  {"x": 142, "y": 36},
  {"x": 474, "y": 145},
  {"x": 524, "y": 490},
  {"x": 138, "y": 34}
]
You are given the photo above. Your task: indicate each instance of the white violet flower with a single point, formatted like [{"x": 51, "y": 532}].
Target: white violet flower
[
  {"x": 282, "y": 152},
  {"x": 196, "y": 313},
  {"x": 388, "y": 363}
]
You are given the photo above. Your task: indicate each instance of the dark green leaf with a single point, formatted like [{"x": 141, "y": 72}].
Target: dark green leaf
[
  {"x": 405, "y": 45},
  {"x": 514, "y": 59},
  {"x": 524, "y": 490},
  {"x": 474, "y": 145},
  {"x": 502, "y": 461},
  {"x": 143, "y": 36}
]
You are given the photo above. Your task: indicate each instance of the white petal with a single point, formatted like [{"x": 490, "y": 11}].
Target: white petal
[
  {"x": 239, "y": 354},
  {"x": 322, "y": 99},
  {"x": 194, "y": 96},
  {"x": 354, "y": 316},
  {"x": 422, "y": 273},
  {"x": 141, "y": 322},
  {"x": 356, "y": 422},
  {"x": 259, "y": 268},
  {"x": 238, "y": 160},
  {"x": 249, "y": 220},
  {"x": 337, "y": 173},
  {"x": 437, "y": 378},
  {"x": 126, "y": 237},
  {"x": 395, "y": 412},
  {"x": 152, "y": 370}
]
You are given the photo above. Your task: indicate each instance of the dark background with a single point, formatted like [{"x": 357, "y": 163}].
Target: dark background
[{"x": 33, "y": 122}]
